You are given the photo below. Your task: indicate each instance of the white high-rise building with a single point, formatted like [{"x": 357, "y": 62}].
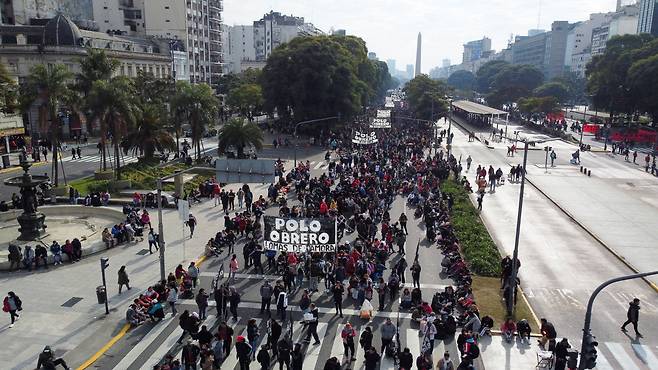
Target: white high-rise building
[
  {"x": 239, "y": 47},
  {"x": 197, "y": 23}
]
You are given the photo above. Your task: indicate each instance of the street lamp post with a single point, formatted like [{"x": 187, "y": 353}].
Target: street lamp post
[
  {"x": 512, "y": 282},
  {"x": 304, "y": 122},
  {"x": 161, "y": 241},
  {"x": 590, "y": 304}
]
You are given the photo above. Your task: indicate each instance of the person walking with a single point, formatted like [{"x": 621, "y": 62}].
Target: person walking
[
  {"x": 243, "y": 350},
  {"x": 403, "y": 223},
  {"x": 337, "y": 292},
  {"x": 190, "y": 355},
  {"x": 240, "y": 196},
  {"x": 313, "y": 325},
  {"x": 415, "y": 274},
  {"x": 274, "y": 334},
  {"x": 282, "y": 304},
  {"x": 231, "y": 200},
  {"x": 348, "y": 333},
  {"x": 445, "y": 363},
  {"x": 12, "y": 304},
  {"x": 387, "y": 332},
  {"x": 366, "y": 338},
  {"x": 233, "y": 267},
  {"x": 153, "y": 241},
  {"x": 372, "y": 359},
  {"x": 193, "y": 273},
  {"x": 266, "y": 292},
  {"x": 264, "y": 358},
  {"x": 202, "y": 303},
  {"x": 480, "y": 199},
  {"x": 283, "y": 353},
  {"x": 469, "y": 160},
  {"x": 191, "y": 223},
  {"x": 633, "y": 316},
  {"x": 234, "y": 300},
  {"x": 553, "y": 157},
  {"x": 252, "y": 336},
  {"x": 297, "y": 357},
  {"x": 172, "y": 298},
  {"x": 123, "y": 278}
]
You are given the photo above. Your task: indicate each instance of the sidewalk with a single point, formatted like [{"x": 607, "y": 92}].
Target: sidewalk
[{"x": 497, "y": 354}]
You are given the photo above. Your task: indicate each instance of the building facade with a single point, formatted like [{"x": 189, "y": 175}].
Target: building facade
[
  {"x": 622, "y": 22},
  {"x": 249, "y": 46},
  {"x": 474, "y": 50},
  {"x": 648, "y": 17},
  {"x": 195, "y": 23},
  {"x": 60, "y": 41}
]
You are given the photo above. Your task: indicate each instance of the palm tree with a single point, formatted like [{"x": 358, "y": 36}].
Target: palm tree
[
  {"x": 113, "y": 104},
  {"x": 95, "y": 66},
  {"x": 240, "y": 134},
  {"x": 198, "y": 106},
  {"x": 149, "y": 134},
  {"x": 49, "y": 87}
]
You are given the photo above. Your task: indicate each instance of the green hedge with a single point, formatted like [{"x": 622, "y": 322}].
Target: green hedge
[{"x": 478, "y": 248}]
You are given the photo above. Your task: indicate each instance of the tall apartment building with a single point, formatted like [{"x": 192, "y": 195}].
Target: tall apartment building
[
  {"x": 546, "y": 51},
  {"x": 275, "y": 29},
  {"x": 622, "y": 22},
  {"x": 249, "y": 46},
  {"x": 579, "y": 43},
  {"x": 391, "y": 66},
  {"x": 473, "y": 50},
  {"x": 648, "y": 17},
  {"x": 197, "y": 23},
  {"x": 193, "y": 25}
]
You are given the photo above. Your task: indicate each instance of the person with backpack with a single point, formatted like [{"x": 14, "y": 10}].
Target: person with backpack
[
  {"x": 12, "y": 304},
  {"x": 264, "y": 358},
  {"x": 282, "y": 304},
  {"x": 243, "y": 350},
  {"x": 445, "y": 363},
  {"x": 366, "y": 338},
  {"x": 470, "y": 351}
]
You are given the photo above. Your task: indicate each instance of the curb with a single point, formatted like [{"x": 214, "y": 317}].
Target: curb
[
  {"x": 124, "y": 330},
  {"x": 18, "y": 168},
  {"x": 621, "y": 258}
]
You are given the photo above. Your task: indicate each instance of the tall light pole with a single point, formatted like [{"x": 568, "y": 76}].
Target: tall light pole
[
  {"x": 512, "y": 282},
  {"x": 304, "y": 122}
]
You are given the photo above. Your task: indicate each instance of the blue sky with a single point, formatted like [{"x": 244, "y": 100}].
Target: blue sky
[{"x": 390, "y": 27}]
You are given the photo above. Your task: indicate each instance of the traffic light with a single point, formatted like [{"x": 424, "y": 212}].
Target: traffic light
[
  {"x": 105, "y": 263},
  {"x": 588, "y": 357}
]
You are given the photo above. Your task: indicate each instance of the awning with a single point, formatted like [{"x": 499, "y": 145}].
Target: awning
[{"x": 476, "y": 108}]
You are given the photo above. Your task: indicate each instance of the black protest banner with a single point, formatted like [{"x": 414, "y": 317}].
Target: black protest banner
[{"x": 299, "y": 235}]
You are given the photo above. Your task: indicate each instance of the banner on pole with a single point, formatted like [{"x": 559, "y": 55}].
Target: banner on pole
[
  {"x": 380, "y": 123},
  {"x": 364, "y": 138},
  {"x": 299, "y": 235},
  {"x": 383, "y": 113}
]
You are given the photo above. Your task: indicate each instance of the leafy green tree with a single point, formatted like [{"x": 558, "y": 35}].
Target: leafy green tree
[
  {"x": 48, "y": 87},
  {"x": 113, "y": 104},
  {"x": 462, "y": 80},
  {"x": 486, "y": 74},
  {"x": 240, "y": 134},
  {"x": 607, "y": 74},
  {"x": 643, "y": 82},
  {"x": 247, "y": 98},
  {"x": 537, "y": 105},
  {"x": 197, "y": 105},
  {"x": 426, "y": 97},
  {"x": 514, "y": 82},
  {"x": 149, "y": 133},
  {"x": 320, "y": 76},
  {"x": 558, "y": 90}
]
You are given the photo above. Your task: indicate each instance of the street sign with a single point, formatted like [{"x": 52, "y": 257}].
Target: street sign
[
  {"x": 299, "y": 235},
  {"x": 231, "y": 171}
]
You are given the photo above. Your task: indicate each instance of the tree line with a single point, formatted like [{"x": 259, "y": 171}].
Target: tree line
[
  {"x": 310, "y": 77},
  {"x": 140, "y": 115}
]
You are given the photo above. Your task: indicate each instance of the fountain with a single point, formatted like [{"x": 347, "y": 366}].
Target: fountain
[{"x": 32, "y": 222}]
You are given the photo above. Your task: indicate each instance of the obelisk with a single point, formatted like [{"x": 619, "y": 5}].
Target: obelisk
[{"x": 420, "y": 40}]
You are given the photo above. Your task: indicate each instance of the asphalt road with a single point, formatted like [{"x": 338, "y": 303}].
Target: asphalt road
[{"x": 561, "y": 263}]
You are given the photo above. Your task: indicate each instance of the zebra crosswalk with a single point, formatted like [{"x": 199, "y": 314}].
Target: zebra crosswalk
[
  {"x": 162, "y": 340},
  {"x": 96, "y": 158}
]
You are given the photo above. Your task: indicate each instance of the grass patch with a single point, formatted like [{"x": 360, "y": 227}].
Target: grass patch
[
  {"x": 489, "y": 301},
  {"x": 479, "y": 250}
]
